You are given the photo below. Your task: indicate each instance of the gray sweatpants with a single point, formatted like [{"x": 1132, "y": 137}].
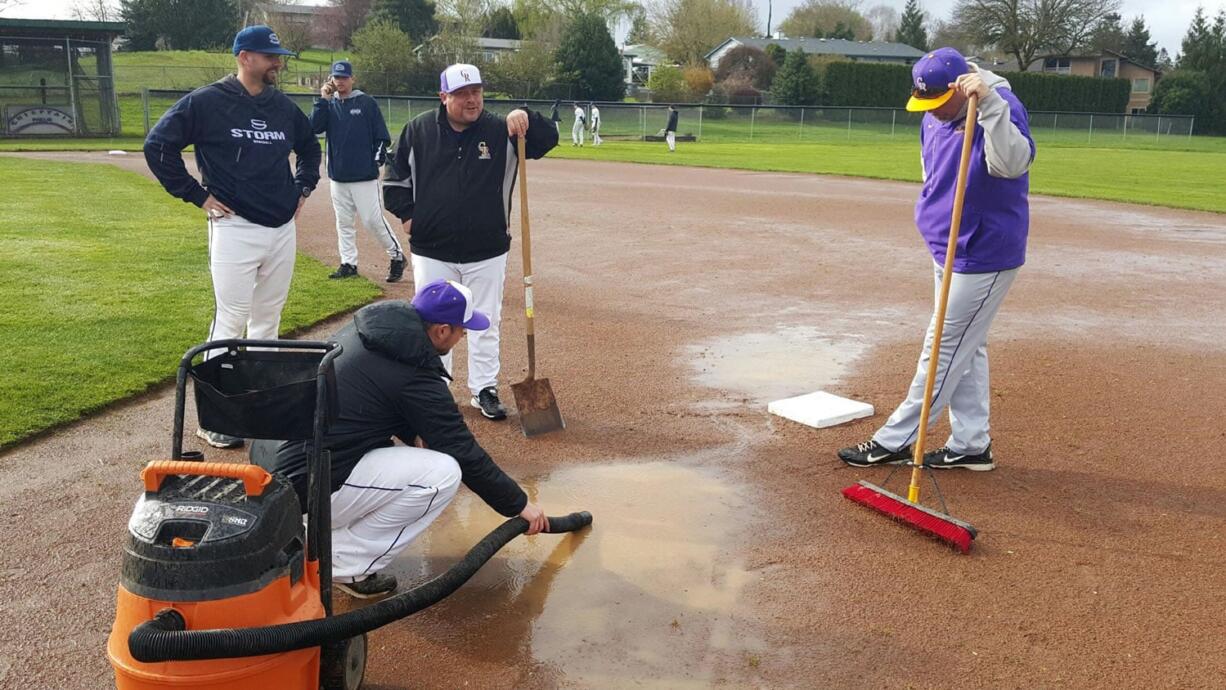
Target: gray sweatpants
[{"x": 962, "y": 369}]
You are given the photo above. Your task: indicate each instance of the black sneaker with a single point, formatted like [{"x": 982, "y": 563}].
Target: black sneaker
[
  {"x": 369, "y": 587},
  {"x": 345, "y": 271},
  {"x": 395, "y": 271},
  {"x": 871, "y": 454},
  {"x": 487, "y": 401},
  {"x": 219, "y": 440},
  {"x": 946, "y": 459}
]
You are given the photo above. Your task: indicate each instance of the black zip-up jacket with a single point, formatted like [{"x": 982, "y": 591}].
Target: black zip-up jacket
[
  {"x": 357, "y": 135},
  {"x": 242, "y": 145},
  {"x": 456, "y": 186},
  {"x": 389, "y": 382},
  {"x": 672, "y": 122}
]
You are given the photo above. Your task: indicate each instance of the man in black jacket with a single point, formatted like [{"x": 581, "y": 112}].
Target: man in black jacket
[
  {"x": 390, "y": 383},
  {"x": 450, "y": 182}
]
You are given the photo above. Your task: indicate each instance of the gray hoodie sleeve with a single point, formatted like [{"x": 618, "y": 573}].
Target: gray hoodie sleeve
[{"x": 1006, "y": 138}]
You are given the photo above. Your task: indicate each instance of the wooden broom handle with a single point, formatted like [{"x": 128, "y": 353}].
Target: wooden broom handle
[
  {"x": 934, "y": 352},
  {"x": 526, "y": 243}
]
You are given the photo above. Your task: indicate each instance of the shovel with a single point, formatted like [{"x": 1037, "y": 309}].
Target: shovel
[{"x": 538, "y": 409}]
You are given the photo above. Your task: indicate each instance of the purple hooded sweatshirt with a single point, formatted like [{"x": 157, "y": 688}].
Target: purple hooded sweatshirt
[{"x": 996, "y": 210}]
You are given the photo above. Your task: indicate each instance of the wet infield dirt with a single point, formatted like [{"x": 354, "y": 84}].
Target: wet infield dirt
[{"x": 672, "y": 305}]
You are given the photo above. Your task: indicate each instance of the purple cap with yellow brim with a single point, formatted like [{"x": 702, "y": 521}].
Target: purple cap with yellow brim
[{"x": 931, "y": 77}]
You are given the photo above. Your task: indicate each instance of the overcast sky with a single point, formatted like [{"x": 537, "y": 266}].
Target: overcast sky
[{"x": 1167, "y": 19}]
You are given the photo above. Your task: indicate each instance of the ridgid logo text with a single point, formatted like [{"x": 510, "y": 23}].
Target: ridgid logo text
[{"x": 258, "y": 132}]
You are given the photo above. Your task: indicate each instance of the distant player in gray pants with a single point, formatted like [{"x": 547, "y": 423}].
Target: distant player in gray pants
[{"x": 991, "y": 249}]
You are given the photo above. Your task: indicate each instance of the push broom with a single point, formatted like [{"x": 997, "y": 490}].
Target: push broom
[{"x": 908, "y": 511}]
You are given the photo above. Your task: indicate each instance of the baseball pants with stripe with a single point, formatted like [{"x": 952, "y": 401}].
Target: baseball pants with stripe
[
  {"x": 361, "y": 199},
  {"x": 390, "y": 498},
  {"x": 962, "y": 370},
  {"x": 485, "y": 279},
  {"x": 251, "y": 266}
]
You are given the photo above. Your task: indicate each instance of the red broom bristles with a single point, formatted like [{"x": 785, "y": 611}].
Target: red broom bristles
[{"x": 955, "y": 532}]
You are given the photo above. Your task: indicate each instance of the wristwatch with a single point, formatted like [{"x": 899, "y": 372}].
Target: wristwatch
[{"x": 306, "y": 192}]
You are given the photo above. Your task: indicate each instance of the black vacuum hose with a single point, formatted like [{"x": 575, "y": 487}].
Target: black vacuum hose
[{"x": 164, "y": 637}]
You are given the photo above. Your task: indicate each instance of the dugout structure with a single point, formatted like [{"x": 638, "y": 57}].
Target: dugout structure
[{"x": 57, "y": 78}]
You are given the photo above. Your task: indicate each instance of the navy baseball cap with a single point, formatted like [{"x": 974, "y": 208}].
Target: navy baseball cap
[
  {"x": 446, "y": 302},
  {"x": 931, "y": 77},
  {"x": 342, "y": 68},
  {"x": 259, "y": 39}
]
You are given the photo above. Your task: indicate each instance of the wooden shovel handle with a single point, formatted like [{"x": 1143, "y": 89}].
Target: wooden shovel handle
[
  {"x": 526, "y": 242},
  {"x": 934, "y": 353}
]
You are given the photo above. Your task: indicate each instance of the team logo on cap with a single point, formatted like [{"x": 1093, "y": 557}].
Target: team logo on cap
[
  {"x": 485, "y": 151},
  {"x": 464, "y": 75},
  {"x": 272, "y": 38},
  {"x": 919, "y": 84}
]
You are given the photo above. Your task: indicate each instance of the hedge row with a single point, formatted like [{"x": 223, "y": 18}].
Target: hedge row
[{"x": 886, "y": 86}]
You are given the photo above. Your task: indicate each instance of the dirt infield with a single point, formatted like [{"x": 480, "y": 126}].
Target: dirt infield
[{"x": 672, "y": 305}]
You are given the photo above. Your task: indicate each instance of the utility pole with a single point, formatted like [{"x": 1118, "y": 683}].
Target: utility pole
[{"x": 769, "y": 7}]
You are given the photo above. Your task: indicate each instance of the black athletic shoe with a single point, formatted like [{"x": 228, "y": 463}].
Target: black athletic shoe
[
  {"x": 946, "y": 459},
  {"x": 487, "y": 401},
  {"x": 395, "y": 271},
  {"x": 871, "y": 454},
  {"x": 369, "y": 587},
  {"x": 219, "y": 440},
  {"x": 345, "y": 271}
]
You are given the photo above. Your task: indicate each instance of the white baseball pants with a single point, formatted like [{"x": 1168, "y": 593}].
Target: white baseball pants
[
  {"x": 361, "y": 199},
  {"x": 596, "y": 134},
  {"x": 671, "y": 138},
  {"x": 252, "y": 266},
  {"x": 485, "y": 279},
  {"x": 962, "y": 369},
  {"x": 576, "y": 132},
  {"x": 391, "y": 497}
]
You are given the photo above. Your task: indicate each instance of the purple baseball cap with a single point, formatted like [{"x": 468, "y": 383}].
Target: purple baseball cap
[
  {"x": 931, "y": 77},
  {"x": 457, "y": 77},
  {"x": 451, "y": 303}
]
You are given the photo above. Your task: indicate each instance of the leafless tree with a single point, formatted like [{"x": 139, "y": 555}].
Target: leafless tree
[
  {"x": 95, "y": 10},
  {"x": 885, "y": 20},
  {"x": 688, "y": 29},
  {"x": 1026, "y": 29}
]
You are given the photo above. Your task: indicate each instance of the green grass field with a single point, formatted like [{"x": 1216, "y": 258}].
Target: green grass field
[{"x": 104, "y": 284}]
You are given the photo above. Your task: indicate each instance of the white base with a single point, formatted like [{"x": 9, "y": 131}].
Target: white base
[
  {"x": 820, "y": 409},
  {"x": 117, "y": 152}
]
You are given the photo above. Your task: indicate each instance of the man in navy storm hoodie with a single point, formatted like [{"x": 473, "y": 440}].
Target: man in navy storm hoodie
[
  {"x": 357, "y": 144},
  {"x": 243, "y": 130}
]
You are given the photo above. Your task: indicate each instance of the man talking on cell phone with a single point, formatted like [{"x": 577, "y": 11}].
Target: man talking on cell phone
[{"x": 357, "y": 145}]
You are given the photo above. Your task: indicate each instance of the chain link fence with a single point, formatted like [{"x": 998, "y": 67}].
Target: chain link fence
[{"x": 767, "y": 124}]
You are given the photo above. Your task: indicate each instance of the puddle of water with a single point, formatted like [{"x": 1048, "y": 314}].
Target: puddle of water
[
  {"x": 648, "y": 596},
  {"x": 769, "y": 366}
]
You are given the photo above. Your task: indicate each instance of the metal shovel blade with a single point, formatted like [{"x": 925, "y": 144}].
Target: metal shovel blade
[{"x": 538, "y": 409}]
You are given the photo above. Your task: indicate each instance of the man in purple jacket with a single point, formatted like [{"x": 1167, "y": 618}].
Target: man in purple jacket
[{"x": 991, "y": 248}]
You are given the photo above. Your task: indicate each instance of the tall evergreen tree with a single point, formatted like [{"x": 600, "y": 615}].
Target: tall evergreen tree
[
  {"x": 1199, "y": 51},
  {"x": 501, "y": 24},
  {"x": 911, "y": 29},
  {"x": 414, "y": 17},
  {"x": 1137, "y": 44},
  {"x": 1109, "y": 35},
  {"x": 180, "y": 24},
  {"x": 589, "y": 59},
  {"x": 796, "y": 82}
]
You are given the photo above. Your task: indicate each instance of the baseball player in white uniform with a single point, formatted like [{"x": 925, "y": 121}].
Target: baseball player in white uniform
[
  {"x": 595, "y": 125},
  {"x": 577, "y": 129}
]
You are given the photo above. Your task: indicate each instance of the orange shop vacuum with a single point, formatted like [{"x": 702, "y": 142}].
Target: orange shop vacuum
[{"x": 222, "y": 587}]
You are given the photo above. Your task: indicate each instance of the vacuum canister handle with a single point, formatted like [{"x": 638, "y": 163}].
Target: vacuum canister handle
[{"x": 254, "y": 477}]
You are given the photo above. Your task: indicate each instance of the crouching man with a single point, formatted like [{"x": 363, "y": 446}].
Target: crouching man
[{"x": 389, "y": 380}]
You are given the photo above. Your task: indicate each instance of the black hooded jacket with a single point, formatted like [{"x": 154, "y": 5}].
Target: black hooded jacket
[
  {"x": 243, "y": 146},
  {"x": 389, "y": 382}
]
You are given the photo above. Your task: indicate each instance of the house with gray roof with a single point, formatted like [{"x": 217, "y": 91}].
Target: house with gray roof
[{"x": 858, "y": 51}]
